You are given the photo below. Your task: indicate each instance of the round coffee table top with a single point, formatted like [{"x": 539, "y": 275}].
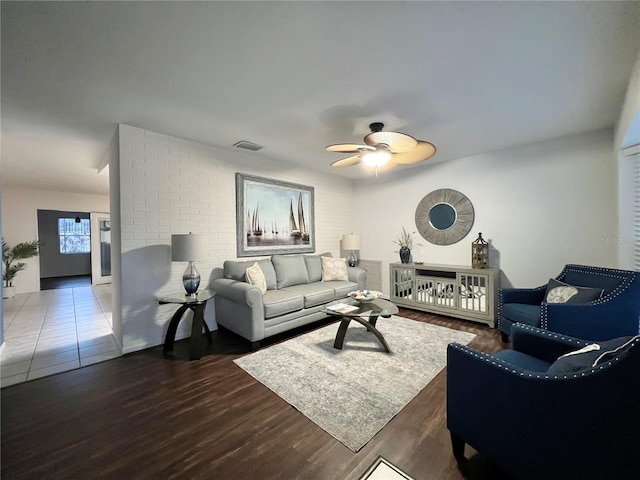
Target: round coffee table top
[{"x": 371, "y": 308}]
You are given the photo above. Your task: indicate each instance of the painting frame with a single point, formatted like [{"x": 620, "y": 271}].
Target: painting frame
[{"x": 273, "y": 217}]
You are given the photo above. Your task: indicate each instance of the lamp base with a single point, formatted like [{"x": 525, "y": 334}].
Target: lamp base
[
  {"x": 191, "y": 280},
  {"x": 353, "y": 260}
]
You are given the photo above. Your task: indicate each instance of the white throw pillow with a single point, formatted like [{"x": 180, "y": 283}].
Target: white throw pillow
[
  {"x": 255, "y": 276},
  {"x": 334, "y": 269}
]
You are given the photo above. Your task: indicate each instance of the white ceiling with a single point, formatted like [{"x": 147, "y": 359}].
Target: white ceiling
[{"x": 296, "y": 76}]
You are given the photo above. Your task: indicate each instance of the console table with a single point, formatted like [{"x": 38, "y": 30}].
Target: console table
[
  {"x": 196, "y": 305},
  {"x": 457, "y": 291}
]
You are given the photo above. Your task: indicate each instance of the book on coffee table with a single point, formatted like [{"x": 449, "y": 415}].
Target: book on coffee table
[{"x": 342, "y": 308}]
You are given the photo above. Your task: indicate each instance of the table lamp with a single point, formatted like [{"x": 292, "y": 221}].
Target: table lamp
[
  {"x": 352, "y": 242},
  {"x": 188, "y": 248}
]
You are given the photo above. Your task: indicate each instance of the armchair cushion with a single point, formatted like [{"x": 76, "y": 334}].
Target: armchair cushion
[
  {"x": 522, "y": 313},
  {"x": 527, "y": 362},
  {"x": 560, "y": 292},
  {"x": 592, "y": 355}
]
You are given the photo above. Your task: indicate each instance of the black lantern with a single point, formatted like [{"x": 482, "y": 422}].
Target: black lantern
[{"x": 480, "y": 253}]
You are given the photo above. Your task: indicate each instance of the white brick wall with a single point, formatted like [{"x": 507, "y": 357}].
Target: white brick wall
[{"x": 171, "y": 185}]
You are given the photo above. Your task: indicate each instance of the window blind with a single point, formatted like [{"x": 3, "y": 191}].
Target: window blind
[{"x": 636, "y": 211}]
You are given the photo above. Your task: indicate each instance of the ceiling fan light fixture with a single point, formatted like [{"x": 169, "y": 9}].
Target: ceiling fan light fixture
[{"x": 376, "y": 159}]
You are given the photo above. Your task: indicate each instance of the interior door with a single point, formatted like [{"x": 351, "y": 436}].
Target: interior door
[{"x": 100, "y": 248}]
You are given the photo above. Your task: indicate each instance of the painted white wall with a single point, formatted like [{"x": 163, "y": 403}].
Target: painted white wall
[
  {"x": 169, "y": 185},
  {"x": 541, "y": 206},
  {"x": 20, "y": 223}
]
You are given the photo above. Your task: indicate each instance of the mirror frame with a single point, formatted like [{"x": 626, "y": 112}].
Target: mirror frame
[{"x": 464, "y": 216}]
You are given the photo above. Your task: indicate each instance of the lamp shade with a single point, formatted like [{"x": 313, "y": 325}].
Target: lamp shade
[
  {"x": 188, "y": 247},
  {"x": 351, "y": 241}
]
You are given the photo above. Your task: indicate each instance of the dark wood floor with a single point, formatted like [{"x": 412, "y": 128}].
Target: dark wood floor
[{"x": 145, "y": 416}]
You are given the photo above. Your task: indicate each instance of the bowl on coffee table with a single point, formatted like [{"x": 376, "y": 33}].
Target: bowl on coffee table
[{"x": 364, "y": 296}]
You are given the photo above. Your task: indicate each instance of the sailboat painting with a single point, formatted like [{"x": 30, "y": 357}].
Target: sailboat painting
[{"x": 273, "y": 216}]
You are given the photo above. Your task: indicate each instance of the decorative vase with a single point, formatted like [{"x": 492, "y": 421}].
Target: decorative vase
[{"x": 405, "y": 254}]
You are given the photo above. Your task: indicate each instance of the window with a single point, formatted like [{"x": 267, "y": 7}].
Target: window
[
  {"x": 74, "y": 237},
  {"x": 636, "y": 211}
]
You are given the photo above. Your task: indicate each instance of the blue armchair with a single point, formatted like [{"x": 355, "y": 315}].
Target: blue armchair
[
  {"x": 615, "y": 314},
  {"x": 580, "y": 423}
]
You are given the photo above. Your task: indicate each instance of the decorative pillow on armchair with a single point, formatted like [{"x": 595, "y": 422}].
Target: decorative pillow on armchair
[
  {"x": 334, "y": 269},
  {"x": 558, "y": 292},
  {"x": 592, "y": 355}
]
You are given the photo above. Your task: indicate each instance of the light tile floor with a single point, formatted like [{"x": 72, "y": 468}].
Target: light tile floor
[{"x": 52, "y": 331}]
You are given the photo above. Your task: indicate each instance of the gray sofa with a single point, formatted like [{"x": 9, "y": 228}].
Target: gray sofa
[{"x": 295, "y": 295}]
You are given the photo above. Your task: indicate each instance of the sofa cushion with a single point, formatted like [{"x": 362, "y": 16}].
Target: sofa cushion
[
  {"x": 342, "y": 289},
  {"x": 559, "y": 292},
  {"x": 280, "y": 302},
  {"x": 313, "y": 293},
  {"x": 334, "y": 269},
  {"x": 236, "y": 270},
  {"x": 256, "y": 277},
  {"x": 290, "y": 270},
  {"x": 269, "y": 273},
  {"x": 314, "y": 266},
  {"x": 522, "y": 313},
  {"x": 592, "y": 355}
]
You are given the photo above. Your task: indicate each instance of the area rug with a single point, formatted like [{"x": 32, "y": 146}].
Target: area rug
[{"x": 354, "y": 392}]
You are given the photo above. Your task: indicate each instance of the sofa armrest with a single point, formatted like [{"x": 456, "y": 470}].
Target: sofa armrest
[
  {"x": 542, "y": 344},
  {"x": 357, "y": 275},
  {"x": 530, "y": 296},
  {"x": 238, "y": 292},
  {"x": 239, "y": 308}
]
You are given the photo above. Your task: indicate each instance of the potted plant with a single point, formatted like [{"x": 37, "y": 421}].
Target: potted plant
[
  {"x": 11, "y": 265},
  {"x": 405, "y": 241}
]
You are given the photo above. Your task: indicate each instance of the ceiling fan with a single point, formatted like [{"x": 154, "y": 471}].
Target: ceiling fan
[{"x": 384, "y": 148}]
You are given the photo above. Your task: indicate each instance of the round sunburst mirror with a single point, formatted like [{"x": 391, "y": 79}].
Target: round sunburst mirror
[{"x": 444, "y": 216}]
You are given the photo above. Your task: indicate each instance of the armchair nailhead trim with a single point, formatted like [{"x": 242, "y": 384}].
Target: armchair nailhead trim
[
  {"x": 485, "y": 357},
  {"x": 500, "y": 302}
]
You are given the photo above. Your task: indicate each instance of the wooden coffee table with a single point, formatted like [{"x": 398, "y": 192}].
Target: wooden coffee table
[{"x": 367, "y": 315}]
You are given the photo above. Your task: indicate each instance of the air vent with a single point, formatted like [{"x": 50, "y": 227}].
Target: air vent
[{"x": 248, "y": 145}]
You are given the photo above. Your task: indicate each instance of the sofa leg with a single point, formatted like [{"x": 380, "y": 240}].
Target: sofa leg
[
  {"x": 457, "y": 445},
  {"x": 504, "y": 337},
  {"x": 255, "y": 345}
]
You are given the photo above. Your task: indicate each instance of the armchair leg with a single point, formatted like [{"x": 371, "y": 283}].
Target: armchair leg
[{"x": 457, "y": 445}]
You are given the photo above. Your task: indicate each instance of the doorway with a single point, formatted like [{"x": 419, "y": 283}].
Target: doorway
[
  {"x": 75, "y": 248},
  {"x": 100, "y": 248}
]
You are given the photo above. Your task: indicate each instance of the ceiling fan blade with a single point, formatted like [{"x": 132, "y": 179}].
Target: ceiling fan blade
[
  {"x": 348, "y": 148},
  {"x": 424, "y": 151},
  {"x": 397, "y": 142},
  {"x": 347, "y": 162}
]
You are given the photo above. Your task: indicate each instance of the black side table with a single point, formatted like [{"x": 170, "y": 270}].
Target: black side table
[{"x": 197, "y": 305}]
